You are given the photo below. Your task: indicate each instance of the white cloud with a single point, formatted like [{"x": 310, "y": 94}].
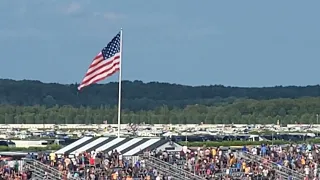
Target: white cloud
[
  {"x": 73, "y": 8},
  {"x": 76, "y": 8},
  {"x": 110, "y": 16}
]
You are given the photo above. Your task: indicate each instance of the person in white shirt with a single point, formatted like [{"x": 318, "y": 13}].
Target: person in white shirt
[
  {"x": 227, "y": 171},
  {"x": 76, "y": 154},
  {"x": 254, "y": 151},
  {"x": 265, "y": 172},
  {"x": 120, "y": 158},
  {"x": 93, "y": 154},
  {"x": 307, "y": 170},
  {"x": 201, "y": 153}
]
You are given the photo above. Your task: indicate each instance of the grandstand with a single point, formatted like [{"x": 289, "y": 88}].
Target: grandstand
[{"x": 154, "y": 158}]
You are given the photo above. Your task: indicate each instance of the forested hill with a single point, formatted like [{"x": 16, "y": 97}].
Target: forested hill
[{"x": 138, "y": 95}]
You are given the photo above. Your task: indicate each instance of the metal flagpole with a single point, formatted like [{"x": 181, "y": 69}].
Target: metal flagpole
[{"x": 120, "y": 79}]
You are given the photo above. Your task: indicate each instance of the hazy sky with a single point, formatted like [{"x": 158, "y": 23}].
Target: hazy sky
[{"x": 240, "y": 43}]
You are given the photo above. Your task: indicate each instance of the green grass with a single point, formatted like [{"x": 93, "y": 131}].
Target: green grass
[{"x": 29, "y": 149}]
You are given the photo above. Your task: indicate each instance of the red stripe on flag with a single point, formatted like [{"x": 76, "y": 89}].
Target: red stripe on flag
[
  {"x": 95, "y": 76},
  {"x": 94, "y": 62},
  {"x": 98, "y": 66},
  {"x": 107, "y": 75}
]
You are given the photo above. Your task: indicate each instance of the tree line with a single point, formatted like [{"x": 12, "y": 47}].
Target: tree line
[
  {"x": 139, "y": 96},
  {"x": 249, "y": 111}
]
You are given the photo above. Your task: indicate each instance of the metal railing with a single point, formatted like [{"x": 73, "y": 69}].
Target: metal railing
[
  {"x": 222, "y": 172},
  {"x": 167, "y": 168},
  {"x": 42, "y": 171},
  {"x": 282, "y": 170}
]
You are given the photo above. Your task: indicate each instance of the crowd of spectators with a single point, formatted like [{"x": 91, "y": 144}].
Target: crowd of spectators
[
  {"x": 216, "y": 163},
  {"x": 222, "y": 163},
  {"x": 99, "y": 166},
  {"x": 11, "y": 170},
  {"x": 208, "y": 162}
]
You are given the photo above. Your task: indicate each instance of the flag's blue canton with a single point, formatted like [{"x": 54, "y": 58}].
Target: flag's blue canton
[{"x": 112, "y": 48}]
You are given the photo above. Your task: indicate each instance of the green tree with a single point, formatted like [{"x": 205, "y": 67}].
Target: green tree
[{"x": 148, "y": 96}]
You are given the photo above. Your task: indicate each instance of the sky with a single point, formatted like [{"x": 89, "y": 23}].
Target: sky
[{"x": 234, "y": 43}]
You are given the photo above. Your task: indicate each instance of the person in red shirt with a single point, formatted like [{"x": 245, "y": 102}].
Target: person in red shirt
[{"x": 91, "y": 161}]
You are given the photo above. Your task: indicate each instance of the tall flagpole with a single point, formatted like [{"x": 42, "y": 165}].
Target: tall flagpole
[{"x": 120, "y": 80}]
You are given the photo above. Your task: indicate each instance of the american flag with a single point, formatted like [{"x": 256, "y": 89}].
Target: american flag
[{"x": 105, "y": 64}]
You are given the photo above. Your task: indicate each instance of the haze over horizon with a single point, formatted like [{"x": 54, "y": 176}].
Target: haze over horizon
[
  {"x": 172, "y": 83},
  {"x": 245, "y": 44}
]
